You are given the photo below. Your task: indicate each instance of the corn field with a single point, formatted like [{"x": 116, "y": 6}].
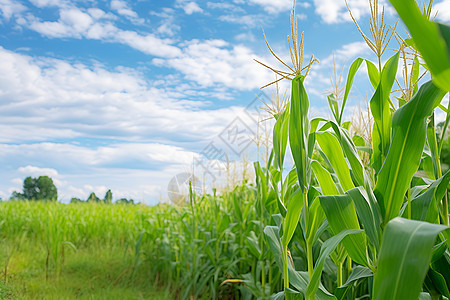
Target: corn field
[{"x": 361, "y": 215}]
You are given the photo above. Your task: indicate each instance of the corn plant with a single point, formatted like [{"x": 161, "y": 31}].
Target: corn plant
[{"x": 377, "y": 231}]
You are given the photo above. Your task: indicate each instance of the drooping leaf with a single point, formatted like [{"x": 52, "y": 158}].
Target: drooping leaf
[
  {"x": 327, "y": 248},
  {"x": 348, "y": 85},
  {"x": 408, "y": 139},
  {"x": 369, "y": 213},
  {"x": 374, "y": 75},
  {"x": 424, "y": 207},
  {"x": 326, "y": 182},
  {"x": 404, "y": 258},
  {"x": 430, "y": 38},
  {"x": 351, "y": 154},
  {"x": 359, "y": 272},
  {"x": 379, "y": 105},
  {"x": 280, "y": 137},
  {"x": 333, "y": 151},
  {"x": 298, "y": 130},
  {"x": 294, "y": 210},
  {"x": 341, "y": 215}
]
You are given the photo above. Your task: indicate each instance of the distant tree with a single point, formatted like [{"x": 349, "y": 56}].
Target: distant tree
[
  {"x": 93, "y": 198},
  {"x": 41, "y": 188},
  {"x": 125, "y": 201},
  {"x": 108, "y": 197},
  {"x": 76, "y": 200},
  {"x": 47, "y": 190},
  {"x": 17, "y": 196}
]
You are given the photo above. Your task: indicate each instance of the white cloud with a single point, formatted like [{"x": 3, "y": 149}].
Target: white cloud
[
  {"x": 36, "y": 171},
  {"x": 49, "y": 3},
  {"x": 443, "y": 10},
  {"x": 9, "y": 8},
  {"x": 215, "y": 61},
  {"x": 75, "y": 23},
  {"x": 45, "y": 99},
  {"x": 276, "y": 6},
  {"x": 167, "y": 25},
  {"x": 248, "y": 20},
  {"x": 123, "y": 9},
  {"x": 332, "y": 11},
  {"x": 192, "y": 7}
]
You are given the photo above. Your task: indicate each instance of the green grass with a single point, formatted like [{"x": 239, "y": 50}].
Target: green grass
[
  {"x": 87, "y": 274},
  {"x": 100, "y": 267}
]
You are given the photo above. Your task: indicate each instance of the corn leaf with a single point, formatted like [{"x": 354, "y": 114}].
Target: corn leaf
[
  {"x": 280, "y": 136},
  {"x": 341, "y": 215},
  {"x": 374, "y": 75},
  {"x": 404, "y": 258},
  {"x": 358, "y": 273},
  {"x": 368, "y": 212},
  {"x": 430, "y": 38},
  {"x": 294, "y": 210},
  {"x": 348, "y": 85},
  {"x": 408, "y": 139},
  {"x": 379, "y": 105},
  {"x": 324, "y": 178},
  {"x": 424, "y": 207},
  {"x": 325, "y": 251},
  {"x": 333, "y": 151},
  {"x": 298, "y": 130}
]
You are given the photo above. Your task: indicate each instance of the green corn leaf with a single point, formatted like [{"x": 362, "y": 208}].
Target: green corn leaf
[
  {"x": 351, "y": 153},
  {"x": 358, "y": 141},
  {"x": 280, "y": 136},
  {"x": 369, "y": 213},
  {"x": 415, "y": 74},
  {"x": 298, "y": 130},
  {"x": 325, "y": 251},
  {"x": 351, "y": 75},
  {"x": 326, "y": 182},
  {"x": 424, "y": 207},
  {"x": 432, "y": 144},
  {"x": 294, "y": 209},
  {"x": 424, "y": 296},
  {"x": 272, "y": 234},
  {"x": 430, "y": 38},
  {"x": 379, "y": 105},
  {"x": 442, "y": 267},
  {"x": 374, "y": 75},
  {"x": 408, "y": 139},
  {"x": 358, "y": 273},
  {"x": 316, "y": 218},
  {"x": 404, "y": 258},
  {"x": 334, "y": 106},
  {"x": 438, "y": 282},
  {"x": 333, "y": 151},
  {"x": 298, "y": 280},
  {"x": 341, "y": 215}
]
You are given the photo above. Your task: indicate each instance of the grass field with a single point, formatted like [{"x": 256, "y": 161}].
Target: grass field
[{"x": 86, "y": 251}]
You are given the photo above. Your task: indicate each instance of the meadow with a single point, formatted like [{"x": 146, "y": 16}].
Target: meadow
[{"x": 362, "y": 214}]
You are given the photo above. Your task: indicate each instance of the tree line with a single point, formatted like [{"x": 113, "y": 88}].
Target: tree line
[{"x": 43, "y": 189}]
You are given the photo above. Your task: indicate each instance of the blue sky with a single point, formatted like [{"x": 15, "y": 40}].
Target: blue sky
[{"x": 123, "y": 95}]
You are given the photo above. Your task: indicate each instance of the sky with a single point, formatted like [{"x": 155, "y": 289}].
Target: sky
[{"x": 126, "y": 95}]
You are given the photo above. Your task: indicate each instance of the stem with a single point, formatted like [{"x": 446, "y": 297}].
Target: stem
[
  {"x": 349, "y": 266},
  {"x": 263, "y": 278},
  {"x": 409, "y": 202},
  {"x": 339, "y": 274},
  {"x": 285, "y": 267},
  {"x": 309, "y": 256},
  {"x": 445, "y": 209}
]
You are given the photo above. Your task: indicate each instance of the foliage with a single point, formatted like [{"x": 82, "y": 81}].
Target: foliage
[
  {"x": 348, "y": 230},
  {"x": 41, "y": 188}
]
